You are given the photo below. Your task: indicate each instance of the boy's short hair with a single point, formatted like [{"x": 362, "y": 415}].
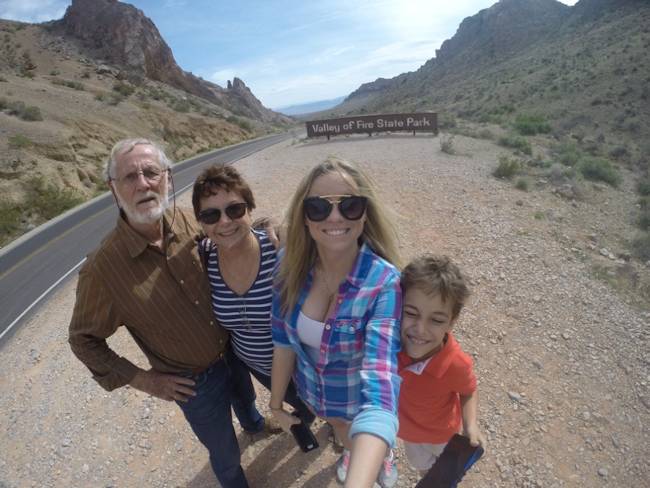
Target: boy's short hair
[{"x": 434, "y": 275}]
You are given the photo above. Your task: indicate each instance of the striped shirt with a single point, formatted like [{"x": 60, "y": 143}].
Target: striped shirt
[
  {"x": 162, "y": 298},
  {"x": 357, "y": 364},
  {"x": 247, "y": 317}
]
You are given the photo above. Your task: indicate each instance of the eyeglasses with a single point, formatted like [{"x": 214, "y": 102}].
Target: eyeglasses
[
  {"x": 234, "y": 211},
  {"x": 319, "y": 208},
  {"x": 152, "y": 175}
]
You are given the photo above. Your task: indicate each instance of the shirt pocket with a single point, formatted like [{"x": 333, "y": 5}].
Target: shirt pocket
[{"x": 348, "y": 338}]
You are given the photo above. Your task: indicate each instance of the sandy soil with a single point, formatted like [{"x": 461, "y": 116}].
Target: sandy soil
[{"x": 561, "y": 355}]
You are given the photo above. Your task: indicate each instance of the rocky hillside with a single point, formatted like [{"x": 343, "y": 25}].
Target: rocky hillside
[
  {"x": 125, "y": 37},
  {"x": 69, "y": 89},
  {"x": 582, "y": 68}
]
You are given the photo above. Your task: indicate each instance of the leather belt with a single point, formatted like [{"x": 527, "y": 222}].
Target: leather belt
[{"x": 198, "y": 371}]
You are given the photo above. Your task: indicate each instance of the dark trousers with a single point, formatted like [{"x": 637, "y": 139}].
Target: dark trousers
[
  {"x": 208, "y": 413},
  {"x": 240, "y": 374}
]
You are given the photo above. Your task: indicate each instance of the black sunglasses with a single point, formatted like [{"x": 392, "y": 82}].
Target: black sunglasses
[
  {"x": 318, "y": 209},
  {"x": 234, "y": 211}
]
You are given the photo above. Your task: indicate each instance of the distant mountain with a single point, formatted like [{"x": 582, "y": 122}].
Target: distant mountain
[
  {"x": 124, "y": 36},
  {"x": 306, "y": 108},
  {"x": 71, "y": 88},
  {"x": 585, "y": 68}
]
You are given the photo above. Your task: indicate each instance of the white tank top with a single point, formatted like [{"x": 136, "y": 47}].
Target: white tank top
[{"x": 310, "y": 333}]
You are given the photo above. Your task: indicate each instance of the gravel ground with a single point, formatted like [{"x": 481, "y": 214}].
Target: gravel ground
[{"x": 562, "y": 356}]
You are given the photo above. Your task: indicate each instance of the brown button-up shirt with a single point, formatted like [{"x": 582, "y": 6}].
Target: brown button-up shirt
[{"x": 163, "y": 299}]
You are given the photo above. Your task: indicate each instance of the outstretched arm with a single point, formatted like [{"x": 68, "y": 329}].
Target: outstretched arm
[{"x": 469, "y": 404}]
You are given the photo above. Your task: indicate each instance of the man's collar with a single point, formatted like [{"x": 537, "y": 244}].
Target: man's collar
[{"x": 136, "y": 243}]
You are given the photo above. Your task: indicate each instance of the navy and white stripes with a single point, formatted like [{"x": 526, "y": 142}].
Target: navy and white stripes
[{"x": 247, "y": 317}]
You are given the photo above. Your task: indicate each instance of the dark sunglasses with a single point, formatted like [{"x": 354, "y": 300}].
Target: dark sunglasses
[
  {"x": 234, "y": 211},
  {"x": 318, "y": 209}
]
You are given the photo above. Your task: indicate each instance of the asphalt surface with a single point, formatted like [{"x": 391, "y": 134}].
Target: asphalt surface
[{"x": 36, "y": 264}]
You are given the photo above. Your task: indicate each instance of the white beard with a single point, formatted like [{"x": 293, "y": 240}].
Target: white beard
[{"x": 151, "y": 214}]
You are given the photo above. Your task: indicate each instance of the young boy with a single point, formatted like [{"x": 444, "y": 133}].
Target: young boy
[{"x": 438, "y": 389}]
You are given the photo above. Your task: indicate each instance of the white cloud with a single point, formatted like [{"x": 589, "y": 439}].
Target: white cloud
[{"x": 33, "y": 11}]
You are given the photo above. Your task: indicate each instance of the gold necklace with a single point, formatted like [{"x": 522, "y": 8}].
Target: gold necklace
[{"x": 330, "y": 294}]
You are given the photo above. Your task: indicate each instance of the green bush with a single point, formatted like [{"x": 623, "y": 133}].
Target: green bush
[
  {"x": 644, "y": 216},
  {"x": 69, "y": 83},
  {"x": 244, "y": 124},
  {"x": 529, "y": 125},
  {"x": 507, "y": 168},
  {"x": 19, "y": 141},
  {"x": 522, "y": 184},
  {"x": 123, "y": 89},
  {"x": 10, "y": 215},
  {"x": 598, "y": 169},
  {"x": 182, "y": 106},
  {"x": 31, "y": 114},
  {"x": 643, "y": 186},
  {"x": 516, "y": 142},
  {"x": 641, "y": 246},
  {"x": 47, "y": 200},
  {"x": 568, "y": 153},
  {"x": 447, "y": 120}
]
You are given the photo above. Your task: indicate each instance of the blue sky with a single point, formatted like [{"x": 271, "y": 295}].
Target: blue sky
[{"x": 288, "y": 51}]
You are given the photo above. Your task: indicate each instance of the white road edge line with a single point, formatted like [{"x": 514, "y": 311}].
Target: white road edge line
[{"x": 33, "y": 304}]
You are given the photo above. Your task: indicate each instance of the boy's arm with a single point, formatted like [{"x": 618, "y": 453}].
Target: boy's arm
[{"x": 469, "y": 405}]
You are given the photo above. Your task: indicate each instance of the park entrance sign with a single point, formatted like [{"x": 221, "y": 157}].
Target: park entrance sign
[{"x": 367, "y": 124}]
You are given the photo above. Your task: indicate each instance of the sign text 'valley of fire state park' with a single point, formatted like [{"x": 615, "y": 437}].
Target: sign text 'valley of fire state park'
[{"x": 367, "y": 124}]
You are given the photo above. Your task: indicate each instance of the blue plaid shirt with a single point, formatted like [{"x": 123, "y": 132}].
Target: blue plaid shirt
[{"x": 357, "y": 365}]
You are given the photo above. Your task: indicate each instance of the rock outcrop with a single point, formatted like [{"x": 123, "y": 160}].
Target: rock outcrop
[{"x": 122, "y": 35}]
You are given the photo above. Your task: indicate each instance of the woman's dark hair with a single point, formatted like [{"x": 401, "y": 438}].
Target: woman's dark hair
[{"x": 224, "y": 178}]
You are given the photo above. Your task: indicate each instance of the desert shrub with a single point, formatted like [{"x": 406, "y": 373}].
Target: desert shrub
[
  {"x": 15, "y": 107},
  {"x": 123, "y": 89},
  {"x": 4, "y": 103},
  {"x": 619, "y": 152},
  {"x": 447, "y": 120},
  {"x": 644, "y": 215},
  {"x": 19, "y": 141},
  {"x": 640, "y": 246},
  {"x": 10, "y": 215},
  {"x": 24, "y": 112},
  {"x": 47, "y": 200},
  {"x": 567, "y": 153},
  {"x": 55, "y": 72},
  {"x": 522, "y": 184},
  {"x": 85, "y": 74},
  {"x": 244, "y": 124},
  {"x": 69, "y": 83},
  {"x": 110, "y": 98},
  {"x": 599, "y": 169},
  {"x": 31, "y": 114},
  {"x": 182, "y": 106},
  {"x": 559, "y": 173},
  {"x": 507, "y": 168},
  {"x": 485, "y": 134},
  {"x": 529, "y": 124},
  {"x": 447, "y": 144},
  {"x": 3, "y": 79},
  {"x": 516, "y": 142},
  {"x": 643, "y": 186}
]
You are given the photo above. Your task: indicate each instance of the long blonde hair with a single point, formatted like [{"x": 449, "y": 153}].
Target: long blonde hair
[{"x": 300, "y": 250}]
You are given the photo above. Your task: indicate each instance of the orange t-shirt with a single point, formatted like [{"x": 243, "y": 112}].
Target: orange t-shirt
[{"x": 429, "y": 401}]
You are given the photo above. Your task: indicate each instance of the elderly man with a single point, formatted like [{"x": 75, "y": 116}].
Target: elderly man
[{"x": 147, "y": 276}]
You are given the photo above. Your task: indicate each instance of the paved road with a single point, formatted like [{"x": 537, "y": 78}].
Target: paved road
[{"x": 31, "y": 270}]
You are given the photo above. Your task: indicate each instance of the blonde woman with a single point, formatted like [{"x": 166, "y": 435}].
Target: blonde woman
[{"x": 335, "y": 318}]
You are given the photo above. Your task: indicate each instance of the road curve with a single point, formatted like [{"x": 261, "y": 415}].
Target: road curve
[{"x": 33, "y": 266}]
